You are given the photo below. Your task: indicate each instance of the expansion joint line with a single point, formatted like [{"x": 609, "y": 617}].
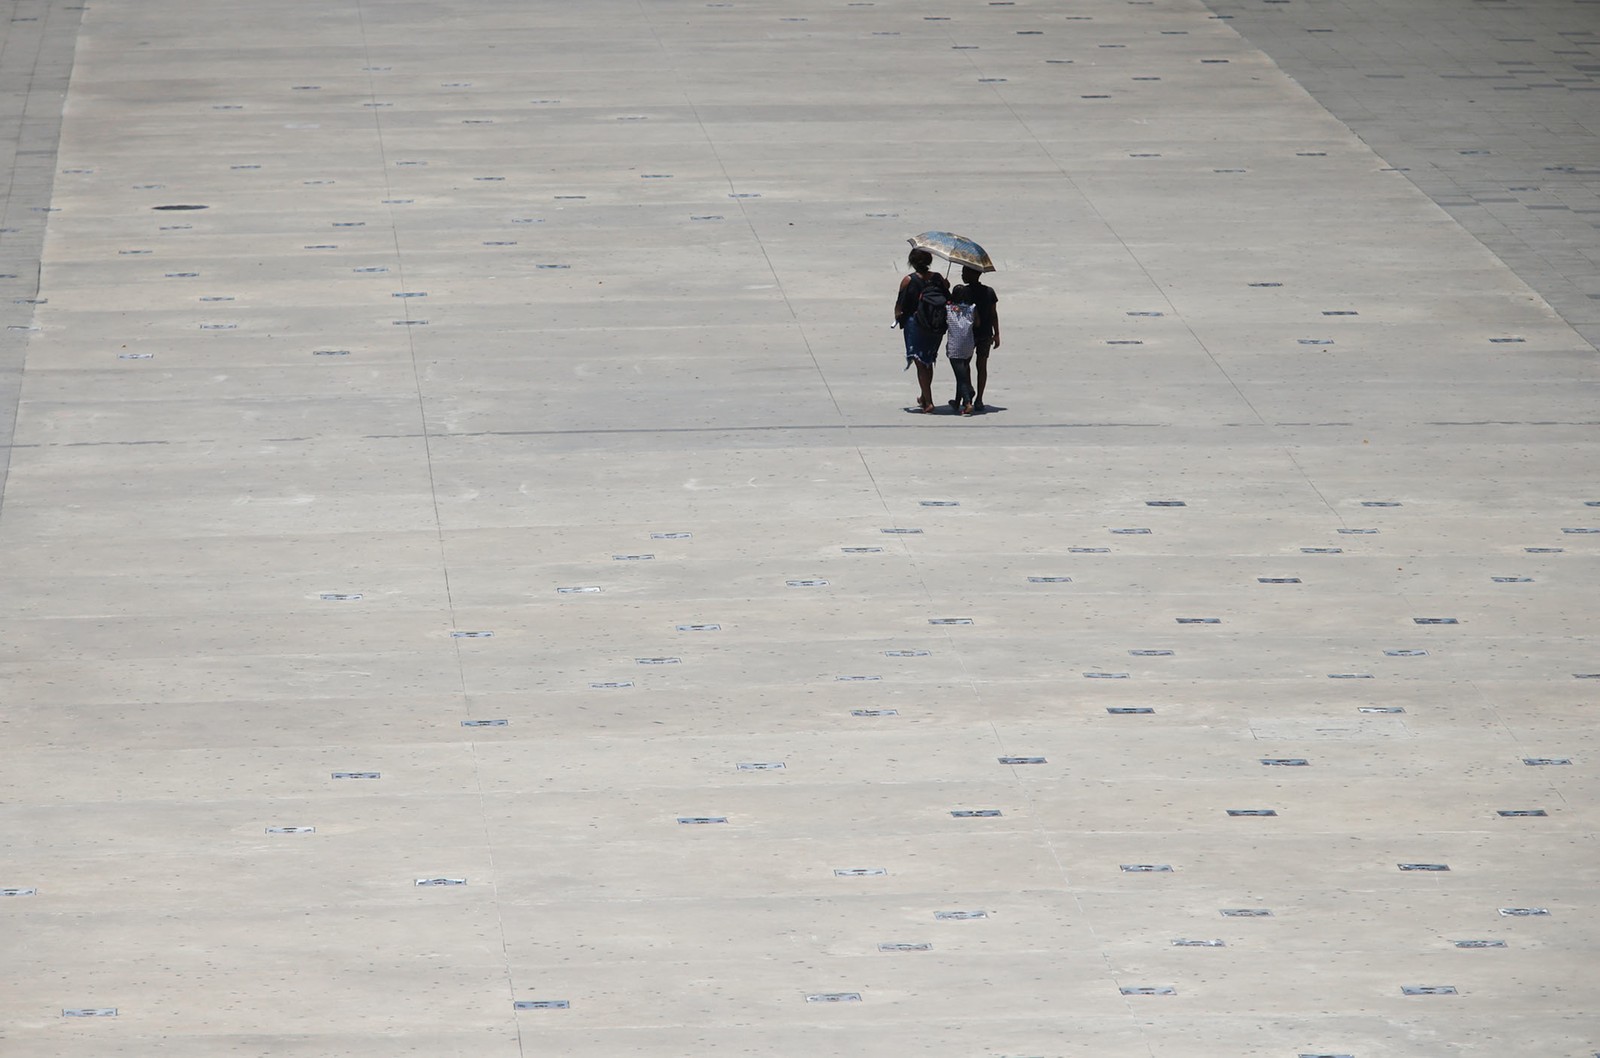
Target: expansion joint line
[
  {"x": 438, "y": 525},
  {"x": 744, "y": 214},
  {"x": 8, "y": 45},
  {"x": 1022, "y": 123},
  {"x": 411, "y": 344}
]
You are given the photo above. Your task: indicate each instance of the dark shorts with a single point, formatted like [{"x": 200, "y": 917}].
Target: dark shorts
[{"x": 983, "y": 345}]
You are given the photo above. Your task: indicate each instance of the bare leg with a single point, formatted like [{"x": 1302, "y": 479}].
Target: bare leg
[
  {"x": 925, "y": 380},
  {"x": 983, "y": 374}
]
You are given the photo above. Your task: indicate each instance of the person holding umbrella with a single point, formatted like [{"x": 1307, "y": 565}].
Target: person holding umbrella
[
  {"x": 919, "y": 312},
  {"x": 985, "y": 324},
  {"x": 918, "y": 289}
]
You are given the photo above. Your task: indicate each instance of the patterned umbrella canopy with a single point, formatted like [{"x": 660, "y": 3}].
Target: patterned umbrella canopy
[{"x": 957, "y": 249}]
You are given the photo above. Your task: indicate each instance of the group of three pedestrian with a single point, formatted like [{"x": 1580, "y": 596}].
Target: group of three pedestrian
[{"x": 927, "y": 308}]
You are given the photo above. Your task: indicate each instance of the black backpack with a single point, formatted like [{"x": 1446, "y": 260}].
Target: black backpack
[{"x": 931, "y": 301}]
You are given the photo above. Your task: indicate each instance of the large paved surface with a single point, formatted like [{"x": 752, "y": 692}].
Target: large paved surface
[
  {"x": 1489, "y": 107},
  {"x": 506, "y": 479}
]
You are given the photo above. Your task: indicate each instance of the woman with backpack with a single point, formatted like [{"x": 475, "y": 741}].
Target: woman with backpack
[{"x": 919, "y": 310}]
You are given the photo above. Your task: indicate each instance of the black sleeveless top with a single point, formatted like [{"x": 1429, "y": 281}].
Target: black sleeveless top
[{"x": 906, "y": 305}]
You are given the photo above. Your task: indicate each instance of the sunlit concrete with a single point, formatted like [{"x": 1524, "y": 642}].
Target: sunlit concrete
[{"x": 529, "y": 363}]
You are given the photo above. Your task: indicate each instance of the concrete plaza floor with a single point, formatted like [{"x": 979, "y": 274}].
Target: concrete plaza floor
[{"x": 474, "y": 583}]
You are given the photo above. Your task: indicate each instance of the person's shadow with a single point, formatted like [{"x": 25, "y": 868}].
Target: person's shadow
[{"x": 947, "y": 409}]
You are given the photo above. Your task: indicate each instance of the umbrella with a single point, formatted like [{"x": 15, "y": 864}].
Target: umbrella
[{"x": 957, "y": 249}]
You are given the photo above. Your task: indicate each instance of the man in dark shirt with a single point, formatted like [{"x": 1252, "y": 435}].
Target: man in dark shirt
[{"x": 985, "y": 324}]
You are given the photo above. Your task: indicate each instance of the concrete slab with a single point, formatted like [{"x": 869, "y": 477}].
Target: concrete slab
[{"x": 487, "y": 553}]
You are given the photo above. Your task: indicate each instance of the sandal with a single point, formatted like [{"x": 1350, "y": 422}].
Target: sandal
[{"x": 926, "y": 406}]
